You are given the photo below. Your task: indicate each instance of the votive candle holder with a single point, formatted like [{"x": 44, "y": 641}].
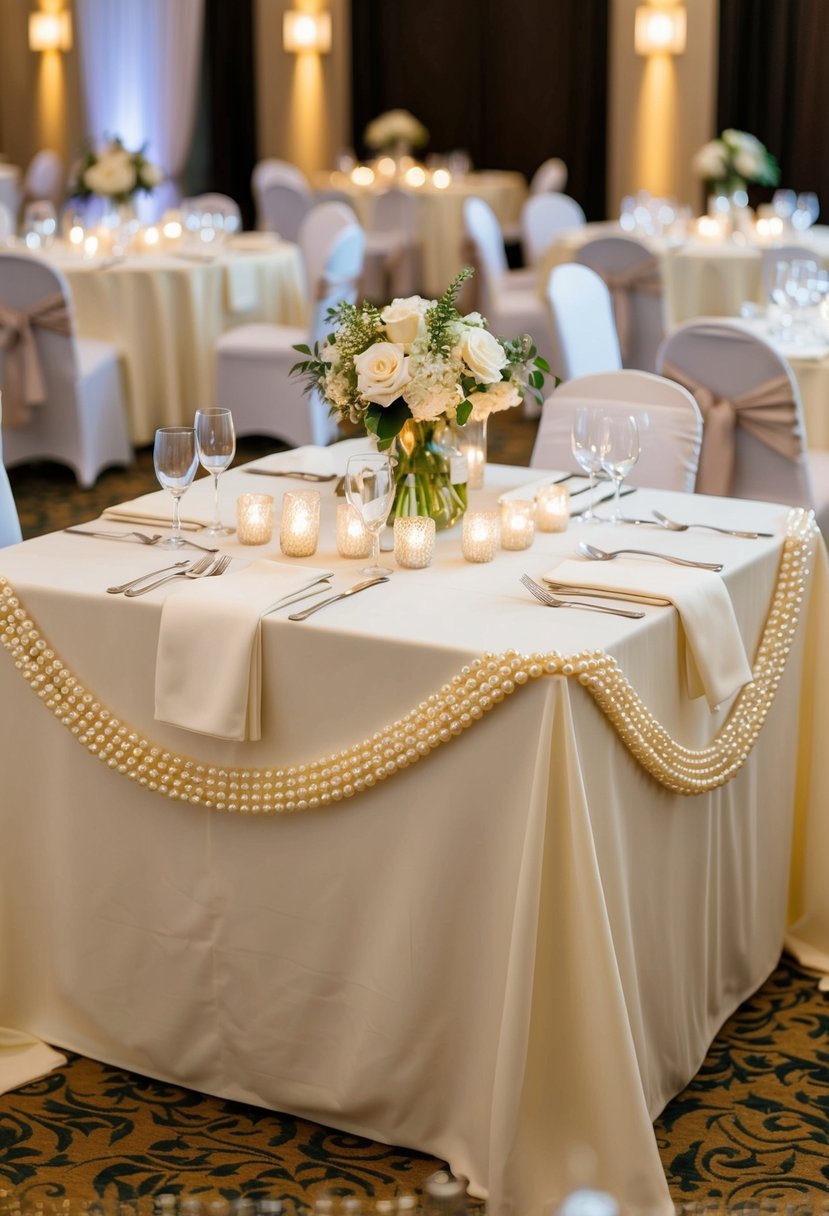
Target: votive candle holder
[
  {"x": 517, "y": 523},
  {"x": 552, "y": 508},
  {"x": 414, "y": 541},
  {"x": 473, "y": 445},
  {"x": 353, "y": 537},
  {"x": 479, "y": 537},
  {"x": 254, "y": 518},
  {"x": 299, "y": 528}
]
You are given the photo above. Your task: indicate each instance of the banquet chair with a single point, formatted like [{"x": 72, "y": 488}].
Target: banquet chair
[
  {"x": 583, "y": 329},
  {"x": 321, "y": 226},
  {"x": 7, "y": 224},
  {"x": 542, "y": 217},
  {"x": 334, "y": 196},
  {"x": 634, "y": 278},
  {"x": 254, "y": 361},
  {"x": 62, "y": 394},
  {"x": 282, "y": 196},
  {"x": 44, "y": 178},
  {"x": 392, "y": 247},
  {"x": 754, "y": 443},
  {"x": 669, "y": 419},
  {"x": 551, "y": 175},
  {"x": 10, "y": 532}
]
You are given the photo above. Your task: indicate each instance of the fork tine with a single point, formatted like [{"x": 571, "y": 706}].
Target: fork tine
[{"x": 537, "y": 590}]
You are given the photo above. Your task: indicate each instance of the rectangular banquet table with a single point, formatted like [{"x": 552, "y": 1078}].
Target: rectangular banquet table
[{"x": 519, "y": 942}]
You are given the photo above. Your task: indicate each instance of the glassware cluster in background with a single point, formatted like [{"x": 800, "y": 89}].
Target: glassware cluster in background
[
  {"x": 798, "y": 292},
  {"x": 798, "y": 210},
  {"x": 642, "y": 214}
]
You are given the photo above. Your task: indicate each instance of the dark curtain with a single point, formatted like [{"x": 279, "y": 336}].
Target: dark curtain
[
  {"x": 774, "y": 56},
  {"x": 512, "y": 83}
]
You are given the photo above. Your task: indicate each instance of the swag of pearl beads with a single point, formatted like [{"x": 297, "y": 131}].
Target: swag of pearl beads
[{"x": 476, "y": 690}]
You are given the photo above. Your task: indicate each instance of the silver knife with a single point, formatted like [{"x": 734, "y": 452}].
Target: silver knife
[
  {"x": 604, "y": 498},
  {"x": 369, "y": 582},
  {"x": 298, "y": 476}
]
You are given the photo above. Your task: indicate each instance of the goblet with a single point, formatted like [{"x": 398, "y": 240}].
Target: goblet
[
  {"x": 369, "y": 487},
  {"x": 585, "y": 441},
  {"x": 176, "y": 460},
  {"x": 216, "y": 443},
  {"x": 619, "y": 452}
]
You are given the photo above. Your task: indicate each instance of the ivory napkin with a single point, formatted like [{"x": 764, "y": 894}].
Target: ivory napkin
[
  {"x": 24, "y": 1058},
  {"x": 157, "y": 508},
  {"x": 208, "y": 675},
  {"x": 241, "y": 283},
  {"x": 716, "y": 661}
]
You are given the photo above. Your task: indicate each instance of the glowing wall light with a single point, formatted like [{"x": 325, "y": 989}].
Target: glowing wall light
[
  {"x": 306, "y": 32},
  {"x": 660, "y": 31},
  {"x": 50, "y": 31}
]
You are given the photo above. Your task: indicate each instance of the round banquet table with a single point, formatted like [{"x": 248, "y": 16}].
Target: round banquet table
[
  {"x": 10, "y": 188},
  {"x": 165, "y": 313},
  {"x": 440, "y": 214}
]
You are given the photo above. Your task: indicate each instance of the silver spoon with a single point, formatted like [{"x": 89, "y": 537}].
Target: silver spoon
[
  {"x": 602, "y": 555},
  {"x": 671, "y": 525}
]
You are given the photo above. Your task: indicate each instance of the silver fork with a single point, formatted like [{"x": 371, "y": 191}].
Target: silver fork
[
  {"x": 141, "y": 536},
  {"x": 142, "y": 578},
  {"x": 198, "y": 570},
  {"x": 553, "y": 601}
]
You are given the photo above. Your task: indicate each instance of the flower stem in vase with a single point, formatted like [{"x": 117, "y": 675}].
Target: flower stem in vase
[{"x": 426, "y": 464}]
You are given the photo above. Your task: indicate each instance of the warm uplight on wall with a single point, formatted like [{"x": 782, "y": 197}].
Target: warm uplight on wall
[
  {"x": 660, "y": 31},
  {"x": 306, "y": 32},
  {"x": 50, "y": 31}
]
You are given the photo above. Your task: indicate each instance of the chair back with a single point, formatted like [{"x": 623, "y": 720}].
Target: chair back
[
  {"x": 317, "y": 236},
  {"x": 273, "y": 170},
  {"x": 583, "y": 328},
  {"x": 669, "y": 419},
  {"x": 334, "y": 196},
  {"x": 10, "y": 532},
  {"x": 635, "y": 280},
  {"x": 542, "y": 217},
  {"x": 484, "y": 232},
  {"x": 550, "y": 175},
  {"x": 340, "y": 277},
  {"x": 7, "y": 224},
  {"x": 394, "y": 212},
  {"x": 44, "y": 177},
  {"x": 753, "y": 442},
  {"x": 282, "y": 206}
]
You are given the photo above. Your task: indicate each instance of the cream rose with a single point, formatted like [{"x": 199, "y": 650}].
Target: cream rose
[
  {"x": 403, "y": 319},
  {"x": 483, "y": 354},
  {"x": 710, "y": 161},
  {"x": 113, "y": 174},
  {"x": 382, "y": 372},
  {"x": 151, "y": 175},
  {"x": 503, "y": 396}
]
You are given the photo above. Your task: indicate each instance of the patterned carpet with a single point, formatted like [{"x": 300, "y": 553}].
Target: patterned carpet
[{"x": 752, "y": 1128}]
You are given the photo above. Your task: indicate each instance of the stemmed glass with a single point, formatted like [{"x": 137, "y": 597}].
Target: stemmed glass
[
  {"x": 176, "y": 460},
  {"x": 806, "y": 211},
  {"x": 369, "y": 487},
  {"x": 586, "y": 441},
  {"x": 216, "y": 444},
  {"x": 619, "y": 453}
]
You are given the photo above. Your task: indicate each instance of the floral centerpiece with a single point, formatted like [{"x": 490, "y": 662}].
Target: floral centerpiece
[
  {"x": 114, "y": 173},
  {"x": 728, "y": 163},
  {"x": 412, "y": 373},
  {"x": 395, "y": 131}
]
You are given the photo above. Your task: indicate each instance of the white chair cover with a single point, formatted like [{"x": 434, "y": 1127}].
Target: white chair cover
[
  {"x": 542, "y": 217},
  {"x": 635, "y": 280},
  {"x": 392, "y": 247},
  {"x": 670, "y": 423},
  {"x": 274, "y": 170},
  {"x": 78, "y": 416},
  {"x": 7, "y": 224},
  {"x": 317, "y": 234},
  {"x": 44, "y": 177},
  {"x": 583, "y": 328},
  {"x": 267, "y": 174},
  {"x": 282, "y": 207},
  {"x": 10, "y": 532},
  {"x": 550, "y": 175}
]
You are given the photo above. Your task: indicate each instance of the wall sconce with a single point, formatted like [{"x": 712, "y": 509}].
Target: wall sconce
[
  {"x": 50, "y": 31},
  {"x": 306, "y": 32},
  {"x": 660, "y": 31}
]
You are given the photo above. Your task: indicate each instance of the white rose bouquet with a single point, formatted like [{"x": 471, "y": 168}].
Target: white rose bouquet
[
  {"x": 395, "y": 129},
  {"x": 727, "y": 163},
  {"x": 114, "y": 173}
]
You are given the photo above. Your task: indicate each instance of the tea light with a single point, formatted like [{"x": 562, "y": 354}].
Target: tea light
[
  {"x": 362, "y": 175},
  {"x": 90, "y": 246},
  {"x": 353, "y": 537},
  {"x": 472, "y": 443},
  {"x": 300, "y": 527},
  {"x": 76, "y": 236},
  {"x": 254, "y": 518},
  {"x": 517, "y": 523},
  {"x": 552, "y": 508},
  {"x": 415, "y": 176},
  {"x": 709, "y": 228},
  {"x": 414, "y": 541},
  {"x": 479, "y": 538},
  {"x": 441, "y": 178},
  {"x": 152, "y": 236}
]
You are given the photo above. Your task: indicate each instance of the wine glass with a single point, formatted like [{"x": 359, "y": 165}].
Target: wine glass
[
  {"x": 369, "y": 487},
  {"x": 176, "y": 460},
  {"x": 216, "y": 444},
  {"x": 39, "y": 224},
  {"x": 805, "y": 212},
  {"x": 619, "y": 452},
  {"x": 783, "y": 204},
  {"x": 585, "y": 442}
]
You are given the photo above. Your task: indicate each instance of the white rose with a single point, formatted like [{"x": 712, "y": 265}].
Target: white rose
[
  {"x": 403, "y": 319},
  {"x": 748, "y": 162},
  {"x": 382, "y": 372},
  {"x": 503, "y": 396},
  {"x": 710, "y": 162},
  {"x": 483, "y": 354},
  {"x": 111, "y": 175},
  {"x": 151, "y": 176}
]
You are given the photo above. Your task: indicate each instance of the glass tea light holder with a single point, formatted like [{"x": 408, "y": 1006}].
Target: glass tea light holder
[
  {"x": 299, "y": 529},
  {"x": 480, "y": 536},
  {"x": 552, "y": 508},
  {"x": 414, "y": 541},
  {"x": 472, "y": 442},
  {"x": 517, "y": 523},
  {"x": 353, "y": 537},
  {"x": 254, "y": 518}
]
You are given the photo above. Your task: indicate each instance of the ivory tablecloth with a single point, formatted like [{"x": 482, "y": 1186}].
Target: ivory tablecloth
[{"x": 519, "y": 942}]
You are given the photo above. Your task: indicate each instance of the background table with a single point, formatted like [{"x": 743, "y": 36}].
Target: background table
[
  {"x": 10, "y": 189},
  {"x": 519, "y": 942}
]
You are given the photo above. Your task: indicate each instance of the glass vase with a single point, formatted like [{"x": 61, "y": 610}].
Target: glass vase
[{"x": 430, "y": 474}]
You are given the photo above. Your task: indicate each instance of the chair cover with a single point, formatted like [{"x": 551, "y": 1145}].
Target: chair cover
[
  {"x": 44, "y": 177},
  {"x": 7, "y": 223},
  {"x": 392, "y": 247},
  {"x": 282, "y": 206},
  {"x": 542, "y": 217},
  {"x": 551, "y": 175},
  {"x": 583, "y": 328},
  {"x": 633, "y": 275},
  {"x": 10, "y": 532},
  {"x": 317, "y": 234}
]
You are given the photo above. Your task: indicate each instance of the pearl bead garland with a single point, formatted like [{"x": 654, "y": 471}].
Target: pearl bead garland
[{"x": 443, "y": 716}]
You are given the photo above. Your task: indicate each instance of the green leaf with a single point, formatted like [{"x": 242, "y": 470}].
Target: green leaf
[
  {"x": 542, "y": 364},
  {"x": 302, "y": 348},
  {"x": 392, "y": 419},
  {"x": 536, "y": 379},
  {"x": 463, "y": 411}
]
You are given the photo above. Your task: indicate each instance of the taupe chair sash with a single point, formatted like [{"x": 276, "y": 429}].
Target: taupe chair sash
[
  {"x": 23, "y": 383},
  {"x": 644, "y": 276},
  {"x": 768, "y": 412}
]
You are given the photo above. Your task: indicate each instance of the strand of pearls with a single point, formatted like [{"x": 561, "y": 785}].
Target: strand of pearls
[{"x": 442, "y": 717}]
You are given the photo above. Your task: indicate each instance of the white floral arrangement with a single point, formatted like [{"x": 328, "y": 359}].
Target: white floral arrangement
[
  {"x": 727, "y": 163},
  {"x": 395, "y": 128},
  {"x": 114, "y": 173},
  {"x": 421, "y": 360}
]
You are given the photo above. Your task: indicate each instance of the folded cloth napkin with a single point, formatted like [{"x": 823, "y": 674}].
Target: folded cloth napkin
[
  {"x": 157, "y": 508},
  {"x": 715, "y": 658},
  {"x": 241, "y": 283},
  {"x": 24, "y": 1058},
  {"x": 208, "y": 674}
]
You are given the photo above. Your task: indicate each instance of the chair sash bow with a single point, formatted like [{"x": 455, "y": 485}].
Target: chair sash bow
[
  {"x": 767, "y": 411},
  {"x": 644, "y": 276},
  {"x": 23, "y": 383}
]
